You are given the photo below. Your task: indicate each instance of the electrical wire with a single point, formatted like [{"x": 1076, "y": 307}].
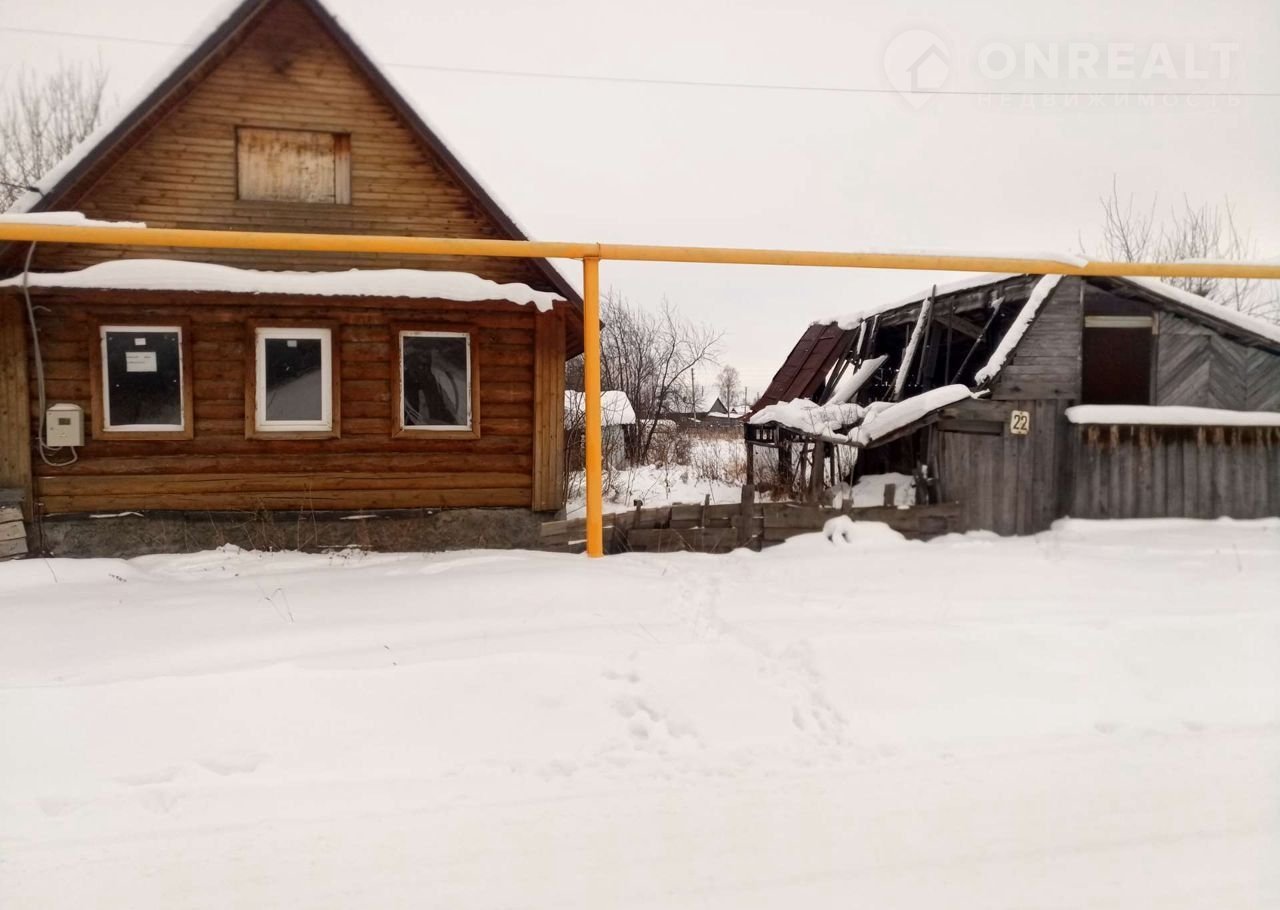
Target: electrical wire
[
  {"x": 697, "y": 83},
  {"x": 43, "y": 449}
]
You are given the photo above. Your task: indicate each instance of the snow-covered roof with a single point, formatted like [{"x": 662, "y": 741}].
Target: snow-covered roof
[
  {"x": 1013, "y": 337},
  {"x": 1211, "y": 310},
  {"x": 850, "y": 320},
  {"x": 1251, "y": 324},
  {"x": 871, "y": 424},
  {"x": 883, "y": 421},
  {"x": 121, "y": 113},
  {"x": 64, "y": 219},
  {"x": 1169, "y": 416},
  {"x": 179, "y": 275},
  {"x": 213, "y": 31},
  {"x": 615, "y": 408},
  {"x": 826, "y": 420},
  {"x": 851, "y": 381}
]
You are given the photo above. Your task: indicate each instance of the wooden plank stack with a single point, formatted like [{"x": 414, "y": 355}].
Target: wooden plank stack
[{"x": 13, "y": 534}]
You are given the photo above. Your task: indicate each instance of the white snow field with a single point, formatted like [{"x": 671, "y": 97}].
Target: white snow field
[{"x": 1085, "y": 718}]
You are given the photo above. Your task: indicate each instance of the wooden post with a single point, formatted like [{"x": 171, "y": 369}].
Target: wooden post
[
  {"x": 746, "y": 515},
  {"x": 15, "y": 402},
  {"x": 913, "y": 345},
  {"x": 817, "y": 470},
  {"x": 786, "y": 470},
  {"x": 548, "y": 411}
]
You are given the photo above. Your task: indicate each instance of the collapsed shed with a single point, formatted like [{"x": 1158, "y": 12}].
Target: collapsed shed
[{"x": 1030, "y": 397}]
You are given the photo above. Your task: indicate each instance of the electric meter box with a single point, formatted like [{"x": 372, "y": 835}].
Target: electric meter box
[{"x": 64, "y": 426}]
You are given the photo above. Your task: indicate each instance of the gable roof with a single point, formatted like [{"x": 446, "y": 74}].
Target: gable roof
[
  {"x": 1252, "y": 329},
  {"x": 217, "y": 39},
  {"x": 807, "y": 368},
  {"x": 808, "y": 364},
  {"x": 1150, "y": 290}
]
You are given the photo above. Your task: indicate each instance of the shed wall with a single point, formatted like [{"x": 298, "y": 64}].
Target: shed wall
[
  {"x": 1004, "y": 483},
  {"x": 1198, "y": 367},
  {"x": 1046, "y": 364}
]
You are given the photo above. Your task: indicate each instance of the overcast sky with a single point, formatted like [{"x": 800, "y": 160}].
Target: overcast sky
[{"x": 609, "y": 161}]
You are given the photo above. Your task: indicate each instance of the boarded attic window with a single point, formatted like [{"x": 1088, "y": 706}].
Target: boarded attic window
[{"x": 293, "y": 166}]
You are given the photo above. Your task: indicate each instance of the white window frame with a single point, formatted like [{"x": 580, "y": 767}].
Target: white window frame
[
  {"x": 467, "y": 427},
  {"x": 107, "y": 425},
  {"x": 260, "y": 422}
]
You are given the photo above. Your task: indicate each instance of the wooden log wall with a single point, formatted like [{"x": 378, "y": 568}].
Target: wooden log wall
[
  {"x": 365, "y": 468},
  {"x": 1184, "y": 472}
]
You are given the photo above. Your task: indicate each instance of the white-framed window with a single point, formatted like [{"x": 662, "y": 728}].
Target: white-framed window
[
  {"x": 294, "y": 381},
  {"x": 436, "y": 392},
  {"x": 143, "y": 379}
]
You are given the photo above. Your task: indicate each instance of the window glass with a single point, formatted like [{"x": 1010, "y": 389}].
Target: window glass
[
  {"x": 294, "y": 381},
  {"x": 436, "y": 380},
  {"x": 142, "y": 378}
]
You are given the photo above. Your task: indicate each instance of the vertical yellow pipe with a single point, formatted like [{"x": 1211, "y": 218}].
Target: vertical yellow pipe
[{"x": 591, "y": 390}]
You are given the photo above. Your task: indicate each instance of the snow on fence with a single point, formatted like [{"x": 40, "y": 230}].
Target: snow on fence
[{"x": 720, "y": 528}]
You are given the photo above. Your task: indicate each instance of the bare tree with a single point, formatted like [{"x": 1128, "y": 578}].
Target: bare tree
[
  {"x": 729, "y": 383},
  {"x": 652, "y": 356},
  {"x": 43, "y": 116},
  {"x": 1132, "y": 232}
]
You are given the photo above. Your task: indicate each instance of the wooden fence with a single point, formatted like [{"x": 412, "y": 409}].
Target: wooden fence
[
  {"x": 720, "y": 528},
  {"x": 1189, "y": 472}
]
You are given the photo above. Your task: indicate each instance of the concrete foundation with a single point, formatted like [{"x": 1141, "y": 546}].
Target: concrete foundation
[{"x": 401, "y": 530}]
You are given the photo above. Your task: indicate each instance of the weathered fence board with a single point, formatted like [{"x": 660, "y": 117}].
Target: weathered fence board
[
  {"x": 1194, "y": 472},
  {"x": 720, "y": 528}
]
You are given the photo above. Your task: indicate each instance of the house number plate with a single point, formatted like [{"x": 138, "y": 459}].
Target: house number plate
[{"x": 1019, "y": 423}]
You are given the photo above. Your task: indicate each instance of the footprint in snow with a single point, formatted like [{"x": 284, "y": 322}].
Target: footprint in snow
[
  {"x": 54, "y": 808},
  {"x": 233, "y": 763},
  {"x": 148, "y": 778},
  {"x": 160, "y": 800}
]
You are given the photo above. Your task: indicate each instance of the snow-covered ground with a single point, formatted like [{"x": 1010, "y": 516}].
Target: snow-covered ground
[
  {"x": 1086, "y": 718},
  {"x": 655, "y": 485},
  {"x": 716, "y": 467}
]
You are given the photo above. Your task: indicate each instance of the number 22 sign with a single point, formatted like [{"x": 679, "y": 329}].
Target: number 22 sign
[{"x": 1019, "y": 423}]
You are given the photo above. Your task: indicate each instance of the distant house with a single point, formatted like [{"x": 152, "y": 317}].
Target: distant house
[
  {"x": 219, "y": 384},
  {"x": 1029, "y": 397},
  {"x": 714, "y": 413},
  {"x": 617, "y": 421},
  {"x": 721, "y": 415}
]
